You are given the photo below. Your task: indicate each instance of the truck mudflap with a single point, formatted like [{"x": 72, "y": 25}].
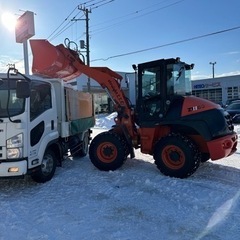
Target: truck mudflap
[
  {"x": 222, "y": 147},
  {"x": 13, "y": 169}
]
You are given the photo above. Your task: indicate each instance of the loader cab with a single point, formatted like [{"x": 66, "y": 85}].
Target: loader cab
[{"x": 160, "y": 83}]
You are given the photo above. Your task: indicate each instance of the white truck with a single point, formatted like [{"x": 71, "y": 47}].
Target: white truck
[{"x": 41, "y": 122}]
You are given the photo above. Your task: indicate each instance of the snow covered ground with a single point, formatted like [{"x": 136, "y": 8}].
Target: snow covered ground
[{"x": 134, "y": 202}]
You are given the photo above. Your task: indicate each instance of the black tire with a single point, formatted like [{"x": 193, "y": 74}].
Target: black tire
[
  {"x": 107, "y": 151},
  {"x": 176, "y": 156},
  {"x": 47, "y": 168},
  {"x": 79, "y": 148},
  {"x": 205, "y": 157},
  {"x": 84, "y": 145},
  {"x": 123, "y": 141}
]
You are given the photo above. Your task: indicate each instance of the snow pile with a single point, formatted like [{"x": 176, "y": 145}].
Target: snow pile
[
  {"x": 105, "y": 121},
  {"x": 133, "y": 202},
  {"x": 237, "y": 130}
]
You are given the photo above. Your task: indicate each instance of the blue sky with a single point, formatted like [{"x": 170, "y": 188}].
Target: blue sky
[{"x": 125, "y": 26}]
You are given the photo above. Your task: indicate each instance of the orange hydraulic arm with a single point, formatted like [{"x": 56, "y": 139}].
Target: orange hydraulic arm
[{"x": 60, "y": 62}]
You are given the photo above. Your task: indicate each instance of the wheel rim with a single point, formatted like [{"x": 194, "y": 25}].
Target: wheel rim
[
  {"x": 47, "y": 164},
  {"x": 107, "y": 152},
  {"x": 173, "y": 157}
]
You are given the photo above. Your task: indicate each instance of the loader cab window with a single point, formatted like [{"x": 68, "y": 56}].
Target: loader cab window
[
  {"x": 170, "y": 79},
  {"x": 178, "y": 79},
  {"x": 150, "y": 82},
  {"x": 150, "y": 93},
  {"x": 40, "y": 98}
]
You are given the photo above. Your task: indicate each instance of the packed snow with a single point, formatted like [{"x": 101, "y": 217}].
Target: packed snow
[{"x": 133, "y": 202}]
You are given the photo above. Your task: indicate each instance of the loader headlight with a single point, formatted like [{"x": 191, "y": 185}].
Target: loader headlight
[{"x": 14, "y": 146}]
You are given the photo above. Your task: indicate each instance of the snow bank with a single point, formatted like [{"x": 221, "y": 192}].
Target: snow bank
[{"x": 105, "y": 121}]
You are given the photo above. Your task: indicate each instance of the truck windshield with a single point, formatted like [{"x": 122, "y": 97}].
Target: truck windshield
[
  {"x": 179, "y": 79},
  {"x": 10, "y": 105}
]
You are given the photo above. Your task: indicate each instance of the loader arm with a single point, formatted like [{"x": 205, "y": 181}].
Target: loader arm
[{"x": 60, "y": 62}]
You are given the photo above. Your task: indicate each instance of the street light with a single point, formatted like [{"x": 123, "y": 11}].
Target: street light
[{"x": 213, "y": 63}]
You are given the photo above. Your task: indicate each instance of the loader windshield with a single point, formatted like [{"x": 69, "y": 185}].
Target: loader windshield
[
  {"x": 178, "y": 79},
  {"x": 10, "y": 105}
]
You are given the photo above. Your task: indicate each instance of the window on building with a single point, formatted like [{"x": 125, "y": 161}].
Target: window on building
[
  {"x": 233, "y": 92},
  {"x": 214, "y": 95}
]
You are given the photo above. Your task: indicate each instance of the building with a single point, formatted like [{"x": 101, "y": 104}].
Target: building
[{"x": 218, "y": 90}]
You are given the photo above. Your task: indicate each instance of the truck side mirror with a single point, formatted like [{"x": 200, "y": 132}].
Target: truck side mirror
[{"x": 22, "y": 89}]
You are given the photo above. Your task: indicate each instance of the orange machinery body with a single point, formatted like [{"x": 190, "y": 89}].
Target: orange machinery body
[
  {"x": 217, "y": 148},
  {"x": 60, "y": 62}
]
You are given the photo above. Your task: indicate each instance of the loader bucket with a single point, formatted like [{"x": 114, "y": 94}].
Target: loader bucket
[{"x": 53, "y": 61}]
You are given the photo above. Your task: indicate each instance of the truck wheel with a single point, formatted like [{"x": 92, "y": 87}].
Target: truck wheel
[
  {"x": 85, "y": 143},
  {"x": 176, "y": 156},
  {"x": 47, "y": 169},
  {"x": 107, "y": 151},
  {"x": 79, "y": 148}
]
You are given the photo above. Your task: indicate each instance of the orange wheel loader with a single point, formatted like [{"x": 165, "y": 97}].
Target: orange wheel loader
[{"x": 179, "y": 130}]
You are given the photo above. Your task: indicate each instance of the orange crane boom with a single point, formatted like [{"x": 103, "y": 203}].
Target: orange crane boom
[{"x": 60, "y": 62}]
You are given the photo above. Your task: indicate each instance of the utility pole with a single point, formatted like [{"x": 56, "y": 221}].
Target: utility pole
[
  {"x": 213, "y": 64},
  {"x": 86, "y": 12}
]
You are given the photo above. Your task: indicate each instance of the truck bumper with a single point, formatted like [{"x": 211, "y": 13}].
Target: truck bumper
[
  {"x": 223, "y": 147},
  {"x": 13, "y": 169}
]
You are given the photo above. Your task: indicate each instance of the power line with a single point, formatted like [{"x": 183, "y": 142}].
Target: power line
[
  {"x": 60, "y": 29},
  {"x": 134, "y": 13},
  {"x": 129, "y": 14},
  {"x": 62, "y": 23},
  {"x": 168, "y": 44},
  {"x": 100, "y": 5},
  {"x": 87, "y": 2},
  {"x": 65, "y": 27},
  {"x": 97, "y": 4}
]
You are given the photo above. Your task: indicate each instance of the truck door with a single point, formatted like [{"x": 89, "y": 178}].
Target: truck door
[{"x": 43, "y": 120}]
